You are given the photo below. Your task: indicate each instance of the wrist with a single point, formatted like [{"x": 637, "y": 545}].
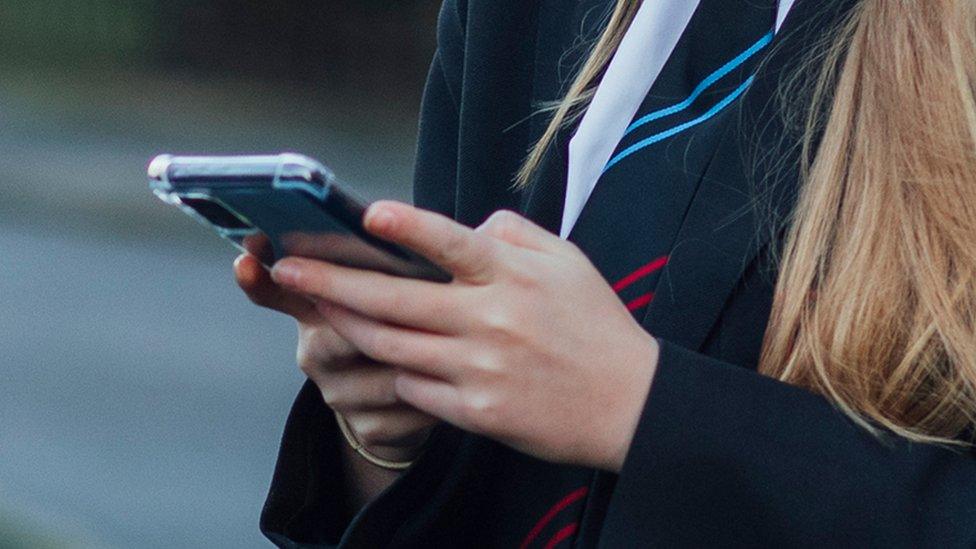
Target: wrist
[
  {"x": 633, "y": 399},
  {"x": 392, "y": 458},
  {"x": 400, "y": 452},
  {"x": 364, "y": 481}
]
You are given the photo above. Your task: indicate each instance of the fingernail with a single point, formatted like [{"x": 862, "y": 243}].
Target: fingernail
[
  {"x": 285, "y": 274},
  {"x": 378, "y": 218}
]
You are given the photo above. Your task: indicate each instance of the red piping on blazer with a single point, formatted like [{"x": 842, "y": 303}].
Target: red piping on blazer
[{"x": 570, "y": 499}]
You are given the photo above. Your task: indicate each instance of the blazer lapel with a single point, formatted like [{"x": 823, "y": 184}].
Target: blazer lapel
[
  {"x": 628, "y": 226},
  {"x": 738, "y": 207},
  {"x": 555, "y": 62},
  {"x": 499, "y": 78}
]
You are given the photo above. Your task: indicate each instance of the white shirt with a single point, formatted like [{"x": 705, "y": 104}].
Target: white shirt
[{"x": 642, "y": 54}]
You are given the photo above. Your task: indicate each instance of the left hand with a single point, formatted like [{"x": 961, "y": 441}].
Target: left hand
[{"x": 528, "y": 345}]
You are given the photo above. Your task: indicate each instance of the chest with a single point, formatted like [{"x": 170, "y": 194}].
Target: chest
[
  {"x": 635, "y": 219},
  {"x": 679, "y": 225}
]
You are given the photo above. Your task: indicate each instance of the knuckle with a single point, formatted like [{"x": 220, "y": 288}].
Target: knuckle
[
  {"x": 384, "y": 346},
  {"x": 319, "y": 348},
  {"x": 305, "y": 358},
  {"x": 502, "y": 223},
  {"x": 525, "y": 278},
  {"x": 372, "y": 431},
  {"x": 319, "y": 283},
  {"x": 338, "y": 349},
  {"x": 486, "y": 363},
  {"x": 453, "y": 248},
  {"x": 509, "y": 221},
  {"x": 307, "y": 365},
  {"x": 356, "y": 390},
  {"x": 507, "y": 216},
  {"x": 333, "y": 398},
  {"x": 499, "y": 320},
  {"x": 482, "y": 410},
  {"x": 386, "y": 394},
  {"x": 571, "y": 249},
  {"x": 344, "y": 355}
]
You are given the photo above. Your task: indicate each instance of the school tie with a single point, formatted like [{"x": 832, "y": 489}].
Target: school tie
[{"x": 628, "y": 226}]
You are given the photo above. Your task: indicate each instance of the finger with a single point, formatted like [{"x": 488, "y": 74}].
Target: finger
[
  {"x": 256, "y": 282},
  {"x": 459, "y": 249},
  {"x": 259, "y": 245},
  {"x": 407, "y": 428},
  {"x": 418, "y": 304},
  {"x": 358, "y": 389},
  {"x": 433, "y": 396},
  {"x": 516, "y": 230},
  {"x": 321, "y": 350},
  {"x": 431, "y": 354}
]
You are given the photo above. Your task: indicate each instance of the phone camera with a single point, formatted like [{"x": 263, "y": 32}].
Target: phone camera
[{"x": 216, "y": 213}]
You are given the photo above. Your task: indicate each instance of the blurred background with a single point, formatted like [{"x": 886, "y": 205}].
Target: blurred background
[{"x": 141, "y": 396}]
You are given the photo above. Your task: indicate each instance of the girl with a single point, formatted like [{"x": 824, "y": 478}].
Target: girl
[{"x": 758, "y": 325}]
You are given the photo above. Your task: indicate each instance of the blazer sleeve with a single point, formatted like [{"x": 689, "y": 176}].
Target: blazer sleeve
[
  {"x": 306, "y": 504},
  {"x": 435, "y": 174},
  {"x": 726, "y": 457}
]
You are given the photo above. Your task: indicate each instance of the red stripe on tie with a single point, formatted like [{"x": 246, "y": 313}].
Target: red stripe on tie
[
  {"x": 640, "y": 273},
  {"x": 562, "y": 535},
  {"x": 570, "y": 499},
  {"x": 640, "y": 302}
]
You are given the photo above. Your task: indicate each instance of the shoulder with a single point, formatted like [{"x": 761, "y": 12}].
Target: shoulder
[
  {"x": 511, "y": 35},
  {"x": 464, "y": 22}
]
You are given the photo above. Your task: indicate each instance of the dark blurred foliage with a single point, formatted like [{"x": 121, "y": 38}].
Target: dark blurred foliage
[
  {"x": 341, "y": 42},
  {"x": 67, "y": 33},
  {"x": 355, "y": 39}
]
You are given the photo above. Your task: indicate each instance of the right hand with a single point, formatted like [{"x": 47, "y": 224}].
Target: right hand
[{"x": 360, "y": 389}]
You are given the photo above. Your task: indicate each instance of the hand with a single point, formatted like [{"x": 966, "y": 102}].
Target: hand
[
  {"x": 359, "y": 388},
  {"x": 528, "y": 345}
]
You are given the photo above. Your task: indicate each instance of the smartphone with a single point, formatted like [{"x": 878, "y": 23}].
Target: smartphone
[{"x": 281, "y": 205}]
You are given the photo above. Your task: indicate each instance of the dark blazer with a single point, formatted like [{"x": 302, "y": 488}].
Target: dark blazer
[{"x": 722, "y": 456}]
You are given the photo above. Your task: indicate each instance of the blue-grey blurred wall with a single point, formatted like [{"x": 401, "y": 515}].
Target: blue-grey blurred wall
[{"x": 141, "y": 396}]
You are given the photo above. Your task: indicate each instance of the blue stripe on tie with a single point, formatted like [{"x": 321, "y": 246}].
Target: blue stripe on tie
[
  {"x": 676, "y": 130},
  {"x": 707, "y": 83}
]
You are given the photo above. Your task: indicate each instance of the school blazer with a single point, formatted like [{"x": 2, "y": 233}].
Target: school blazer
[{"x": 722, "y": 456}]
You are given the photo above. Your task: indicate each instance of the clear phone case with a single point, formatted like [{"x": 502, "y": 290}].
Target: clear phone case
[{"x": 281, "y": 205}]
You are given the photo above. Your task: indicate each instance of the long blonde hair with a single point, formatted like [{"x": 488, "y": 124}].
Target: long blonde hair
[
  {"x": 875, "y": 305},
  {"x": 583, "y": 87}
]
